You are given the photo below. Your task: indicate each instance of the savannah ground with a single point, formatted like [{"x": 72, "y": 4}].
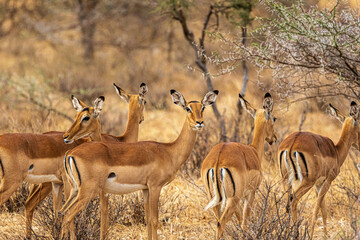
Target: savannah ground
[{"x": 40, "y": 69}]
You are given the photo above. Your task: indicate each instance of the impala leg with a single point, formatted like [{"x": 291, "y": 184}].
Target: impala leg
[
  {"x": 320, "y": 203},
  {"x": 8, "y": 187},
  {"x": 104, "y": 205},
  {"x": 57, "y": 189},
  {"x": 154, "y": 195},
  {"x": 229, "y": 210},
  {"x": 70, "y": 200},
  {"x": 80, "y": 203},
  {"x": 37, "y": 194},
  {"x": 147, "y": 213},
  {"x": 67, "y": 192},
  {"x": 216, "y": 211},
  {"x": 239, "y": 213},
  {"x": 247, "y": 207},
  {"x": 303, "y": 188}
]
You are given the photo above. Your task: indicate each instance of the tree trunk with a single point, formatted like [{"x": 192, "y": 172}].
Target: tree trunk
[
  {"x": 87, "y": 21},
  {"x": 236, "y": 137}
]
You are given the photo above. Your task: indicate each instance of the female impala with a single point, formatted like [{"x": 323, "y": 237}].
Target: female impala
[
  {"x": 119, "y": 168},
  {"x": 308, "y": 159},
  {"x": 232, "y": 171},
  {"x": 34, "y": 158},
  {"x": 87, "y": 124}
]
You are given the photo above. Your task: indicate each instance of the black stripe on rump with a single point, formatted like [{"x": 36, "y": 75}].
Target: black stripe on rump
[
  {"x": 77, "y": 170},
  {"x": 232, "y": 179},
  {"x": 66, "y": 170},
  {"x": 2, "y": 167},
  {"x": 303, "y": 159},
  {"x": 293, "y": 164},
  {"x": 208, "y": 181},
  {"x": 281, "y": 154}
]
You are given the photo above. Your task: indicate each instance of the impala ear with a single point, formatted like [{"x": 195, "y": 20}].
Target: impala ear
[
  {"x": 354, "y": 111},
  {"x": 122, "y": 93},
  {"x": 334, "y": 112},
  {"x": 247, "y": 106},
  {"x": 210, "y": 98},
  {"x": 98, "y": 105},
  {"x": 143, "y": 90},
  {"x": 178, "y": 98},
  {"x": 78, "y": 104}
]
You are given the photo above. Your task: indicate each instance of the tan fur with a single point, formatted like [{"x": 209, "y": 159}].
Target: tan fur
[
  {"x": 323, "y": 160},
  {"x": 56, "y": 149},
  {"x": 244, "y": 165},
  {"x": 149, "y": 164}
]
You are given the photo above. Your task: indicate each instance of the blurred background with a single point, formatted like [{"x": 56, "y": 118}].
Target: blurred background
[{"x": 50, "y": 50}]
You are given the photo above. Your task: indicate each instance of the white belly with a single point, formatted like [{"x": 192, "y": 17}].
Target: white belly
[
  {"x": 35, "y": 179},
  {"x": 111, "y": 186}
]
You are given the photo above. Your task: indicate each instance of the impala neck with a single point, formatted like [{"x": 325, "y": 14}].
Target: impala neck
[
  {"x": 181, "y": 148},
  {"x": 344, "y": 144},
  {"x": 96, "y": 136},
  {"x": 259, "y": 136},
  {"x": 132, "y": 129}
]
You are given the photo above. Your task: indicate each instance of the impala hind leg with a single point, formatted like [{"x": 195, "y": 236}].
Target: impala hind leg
[
  {"x": 8, "y": 187},
  {"x": 37, "y": 194},
  {"x": 81, "y": 201},
  {"x": 248, "y": 203},
  {"x": 302, "y": 189},
  {"x": 67, "y": 192},
  {"x": 320, "y": 203},
  {"x": 230, "y": 208}
]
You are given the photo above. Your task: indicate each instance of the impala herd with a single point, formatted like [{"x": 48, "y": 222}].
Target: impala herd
[{"x": 92, "y": 164}]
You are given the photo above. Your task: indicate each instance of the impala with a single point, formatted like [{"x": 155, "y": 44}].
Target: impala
[
  {"x": 120, "y": 168},
  {"x": 308, "y": 159},
  {"x": 33, "y": 158},
  {"x": 232, "y": 171},
  {"x": 86, "y": 124}
]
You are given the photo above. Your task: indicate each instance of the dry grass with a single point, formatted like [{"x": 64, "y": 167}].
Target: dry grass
[{"x": 31, "y": 68}]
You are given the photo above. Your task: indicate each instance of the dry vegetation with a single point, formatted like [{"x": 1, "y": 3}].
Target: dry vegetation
[{"x": 40, "y": 71}]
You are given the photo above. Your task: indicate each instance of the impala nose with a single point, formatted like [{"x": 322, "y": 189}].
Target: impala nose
[{"x": 199, "y": 125}]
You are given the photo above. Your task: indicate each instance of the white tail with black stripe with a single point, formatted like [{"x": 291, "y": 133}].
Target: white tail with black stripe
[
  {"x": 237, "y": 169},
  {"x": 307, "y": 159}
]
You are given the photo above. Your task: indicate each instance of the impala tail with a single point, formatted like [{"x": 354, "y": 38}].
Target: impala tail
[
  {"x": 292, "y": 165},
  {"x": 73, "y": 176},
  {"x": 212, "y": 181}
]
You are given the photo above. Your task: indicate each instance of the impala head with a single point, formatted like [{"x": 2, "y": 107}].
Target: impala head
[
  {"x": 87, "y": 120},
  {"x": 263, "y": 117},
  {"x": 136, "y": 101},
  {"x": 194, "y": 109},
  {"x": 350, "y": 123}
]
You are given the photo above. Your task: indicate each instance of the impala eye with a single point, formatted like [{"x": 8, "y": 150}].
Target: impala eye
[
  {"x": 274, "y": 119},
  {"x": 87, "y": 118},
  {"x": 188, "y": 109},
  {"x": 203, "y": 108}
]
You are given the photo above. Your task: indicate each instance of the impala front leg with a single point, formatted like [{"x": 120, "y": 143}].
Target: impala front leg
[
  {"x": 154, "y": 195},
  {"x": 104, "y": 205},
  {"x": 147, "y": 213}
]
